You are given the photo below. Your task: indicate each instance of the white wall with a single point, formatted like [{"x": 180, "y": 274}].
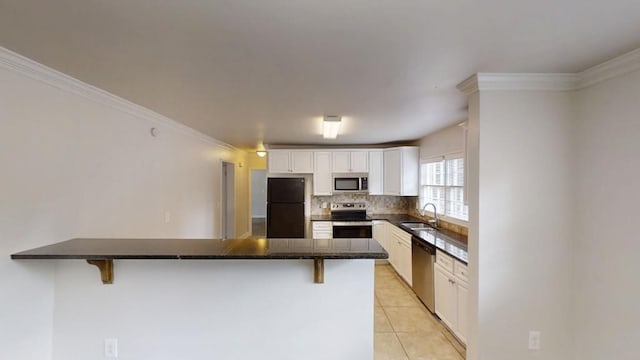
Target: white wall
[
  {"x": 224, "y": 309},
  {"x": 606, "y": 313},
  {"x": 520, "y": 232},
  {"x": 258, "y": 193},
  {"x": 73, "y": 167},
  {"x": 473, "y": 163}
]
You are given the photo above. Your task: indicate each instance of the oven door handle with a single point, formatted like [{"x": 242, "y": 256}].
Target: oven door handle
[{"x": 352, "y": 223}]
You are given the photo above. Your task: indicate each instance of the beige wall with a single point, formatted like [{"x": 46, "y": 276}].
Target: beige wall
[
  {"x": 605, "y": 262},
  {"x": 243, "y": 195},
  {"x": 256, "y": 162},
  {"x": 449, "y": 140},
  {"x": 522, "y": 240},
  {"x": 249, "y": 161},
  {"x": 553, "y": 209},
  {"x": 76, "y": 164}
]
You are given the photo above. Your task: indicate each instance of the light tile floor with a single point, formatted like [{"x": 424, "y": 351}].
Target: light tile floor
[{"x": 404, "y": 328}]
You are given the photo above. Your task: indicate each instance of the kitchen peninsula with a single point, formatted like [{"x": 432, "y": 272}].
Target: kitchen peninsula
[{"x": 269, "y": 298}]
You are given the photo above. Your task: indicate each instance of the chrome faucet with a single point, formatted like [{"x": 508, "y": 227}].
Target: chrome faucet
[{"x": 433, "y": 222}]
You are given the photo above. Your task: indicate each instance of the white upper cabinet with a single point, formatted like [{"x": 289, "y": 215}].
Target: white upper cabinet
[
  {"x": 401, "y": 166},
  {"x": 376, "y": 172},
  {"x": 360, "y": 161},
  {"x": 302, "y": 162},
  {"x": 322, "y": 173},
  {"x": 278, "y": 161},
  {"x": 341, "y": 161},
  {"x": 287, "y": 161},
  {"x": 392, "y": 171},
  {"x": 350, "y": 161},
  {"x": 392, "y": 168}
]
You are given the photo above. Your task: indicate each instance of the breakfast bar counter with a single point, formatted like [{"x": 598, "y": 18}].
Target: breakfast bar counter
[
  {"x": 102, "y": 252},
  {"x": 210, "y": 298}
]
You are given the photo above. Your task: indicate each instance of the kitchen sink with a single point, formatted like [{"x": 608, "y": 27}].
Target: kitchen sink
[{"x": 417, "y": 226}]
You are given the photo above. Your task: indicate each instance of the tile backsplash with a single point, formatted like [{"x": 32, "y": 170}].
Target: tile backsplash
[
  {"x": 376, "y": 204},
  {"x": 381, "y": 204}
]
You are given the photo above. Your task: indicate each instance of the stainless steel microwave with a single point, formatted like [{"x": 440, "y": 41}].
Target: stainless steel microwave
[{"x": 350, "y": 183}]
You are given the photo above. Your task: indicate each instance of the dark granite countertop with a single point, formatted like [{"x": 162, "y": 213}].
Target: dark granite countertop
[
  {"x": 320, "y": 218},
  {"x": 448, "y": 241},
  {"x": 103, "y": 249},
  {"x": 388, "y": 217},
  {"x": 451, "y": 243}
]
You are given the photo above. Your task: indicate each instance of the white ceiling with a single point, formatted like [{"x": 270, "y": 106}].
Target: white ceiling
[{"x": 252, "y": 71}]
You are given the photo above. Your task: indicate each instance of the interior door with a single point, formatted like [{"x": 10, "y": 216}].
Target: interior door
[{"x": 228, "y": 206}]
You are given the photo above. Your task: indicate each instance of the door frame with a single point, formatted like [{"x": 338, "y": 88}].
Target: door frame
[{"x": 227, "y": 200}]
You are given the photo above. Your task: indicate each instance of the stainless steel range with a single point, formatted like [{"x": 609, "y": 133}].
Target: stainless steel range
[{"x": 350, "y": 220}]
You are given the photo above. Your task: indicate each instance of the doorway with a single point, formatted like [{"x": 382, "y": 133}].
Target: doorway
[
  {"x": 258, "y": 202},
  {"x": 228, "y": 201}
]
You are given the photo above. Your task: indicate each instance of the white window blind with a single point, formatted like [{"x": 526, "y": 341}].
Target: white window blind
[{"x": 442, "y": 183}]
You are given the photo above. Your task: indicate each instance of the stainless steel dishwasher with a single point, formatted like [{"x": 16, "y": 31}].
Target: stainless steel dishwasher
[{"x": 423, "y": 257}]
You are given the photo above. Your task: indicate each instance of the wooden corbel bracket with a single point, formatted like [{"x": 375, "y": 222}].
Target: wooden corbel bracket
[
  {"x": 318, "y": 271},
  {"x": 106, "y": 269}
]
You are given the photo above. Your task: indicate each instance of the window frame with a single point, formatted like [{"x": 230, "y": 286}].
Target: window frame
[{"x": 442, "y": 214}]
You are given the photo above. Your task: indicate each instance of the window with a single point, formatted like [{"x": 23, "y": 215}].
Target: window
[{"x": 442, "y": 183}]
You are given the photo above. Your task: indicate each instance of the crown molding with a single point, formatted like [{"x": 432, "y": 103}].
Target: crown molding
[
  {"x": 22, "y": 65},
  {"x": 545, "y": 82},
  {"x": 469, "y": 85},
  {"x": 514, "y": 81},
  {"x": 621, "y": 65}
]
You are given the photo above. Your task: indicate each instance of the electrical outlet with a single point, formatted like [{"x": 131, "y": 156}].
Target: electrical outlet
[
  {"x": 111, "y": 348},
  {"x": 534, "y": 340},
  {"x": 167, "y": 216}
]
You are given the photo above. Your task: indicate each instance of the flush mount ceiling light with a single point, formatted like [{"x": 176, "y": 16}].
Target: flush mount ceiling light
[
  {"x": 331, "y": 125},
  {"x": 261, "y": 153}
]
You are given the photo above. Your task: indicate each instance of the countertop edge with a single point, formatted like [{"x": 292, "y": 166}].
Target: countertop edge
[
  {"x": 409, "y": 218},
  {"x": 202, "y": 257},
  {"x": 203, "y": 249}
]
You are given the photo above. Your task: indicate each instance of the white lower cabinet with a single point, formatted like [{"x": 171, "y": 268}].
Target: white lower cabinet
[
  {"x": 397, "y": 243},
  {"x": 322, "y": 229},
  {"x": 446, "y": 301},
  {"x": 400, "y": 252},
  {"x": 451, "y": 294},
  {"x": 405, "y": 261},
  {"x": 463, "y": 316},
  {"x": 379, "y": 232}
]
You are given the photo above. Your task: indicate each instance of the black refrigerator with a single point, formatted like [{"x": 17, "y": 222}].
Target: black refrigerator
[{"x": 285, "y": 207}]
